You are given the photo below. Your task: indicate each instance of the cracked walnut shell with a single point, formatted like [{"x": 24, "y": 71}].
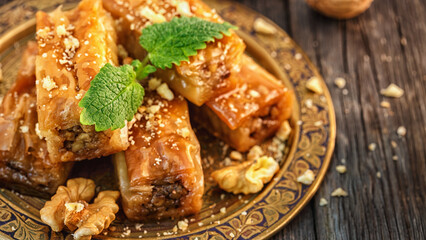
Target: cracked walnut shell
[
  {"x": 69, "y": 207},
  {"x": 247, "y": 177}
]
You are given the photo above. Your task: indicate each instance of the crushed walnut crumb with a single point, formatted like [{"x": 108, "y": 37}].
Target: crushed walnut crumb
[
  {"x": 154, "y": 83},
  {"x": 44, "y": 33},
  {"x": 24, "y": 129},
  {"x": 339, "y": 192},
  {"x": 255, "y": 153},
  {"x": 184, "y": 132},
  {"x": 164, "y": 91},
  {"x": 314, "y": 85},
  {"x": 309, "y": 103},
  {"x": 284, "y": 131},
  {"x": 49, "y": 83},
  {"x": 152, "y": 16},
  {"x": 340, "y": 82},
  {"x": 392, "y": 91},
  {"x": 182, "y": 7},
  {"x": 235, "y": 155},
  {"x": 323, "y": 202},
  {"x": 372, "y": 147},
  {"x": 262, "y": 26},
  {"x": 385, "y": 104},
  {"x": 61, "y": 31},
  {"x": 341, "y": 169},
  {"x": 182, "y": 225},
  {"x": 401, "y": 131},
  {"x": 307, "y": 177}
]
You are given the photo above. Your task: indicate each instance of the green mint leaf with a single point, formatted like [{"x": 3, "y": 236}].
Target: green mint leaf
[
  {"x": 142, "y": 71},
  {"x": 113, "y": 97},
  {"x": 177, "y": 40}
]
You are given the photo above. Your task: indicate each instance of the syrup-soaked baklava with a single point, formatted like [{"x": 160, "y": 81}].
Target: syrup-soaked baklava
[
  {"x": 249, "y": 113},
  {"x": 160, "y": 175},
  {"x": 204, "y": 75},
  {"x": 25, "y": 164},
  {"x": 73, "y": 46}
]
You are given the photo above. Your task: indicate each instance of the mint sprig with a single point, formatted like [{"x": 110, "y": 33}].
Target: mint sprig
[
  {"x": 113, "y": 97},
  {"x": 115, "y": 94},
  {"x": 177, "y": 40}
]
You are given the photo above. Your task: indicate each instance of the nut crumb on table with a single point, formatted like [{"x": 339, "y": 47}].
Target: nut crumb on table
[
  {"x": 392, "y": 91},
  {"x": 385, "y": 104},
  {"x": 340, "y": 82},
  {"x": 372, "y": 146},
  {"x": 323, "y": 202},
  {"x": 339, "y": 192},
  {"x": 401, "y": 131},
  {"x": 341, "y": 169}
]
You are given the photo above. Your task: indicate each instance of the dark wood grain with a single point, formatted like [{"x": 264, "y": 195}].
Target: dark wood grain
[{"x": 385, "y": 45}]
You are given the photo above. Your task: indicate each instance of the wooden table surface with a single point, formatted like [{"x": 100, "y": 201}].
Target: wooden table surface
[{"x": 387, "y": 44}]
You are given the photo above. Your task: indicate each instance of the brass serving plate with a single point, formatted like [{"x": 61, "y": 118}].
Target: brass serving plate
[{"x": 247, "y": 217}]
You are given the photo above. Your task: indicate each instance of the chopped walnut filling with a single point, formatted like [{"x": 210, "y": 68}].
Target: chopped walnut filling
[
  {"x": 77, "y": 140},
  {"x": 165, "y": 196},
  {"x": 69, "y": 207}
]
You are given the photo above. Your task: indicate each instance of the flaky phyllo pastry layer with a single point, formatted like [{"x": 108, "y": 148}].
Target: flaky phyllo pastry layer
[{"x": 73, "y": 46}]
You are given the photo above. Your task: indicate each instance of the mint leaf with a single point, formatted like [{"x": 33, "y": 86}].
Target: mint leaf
[
  {"x": 141, "y": 70},
  {"x": 175, "y": 41},
  {"x": 113, "y": 97}
]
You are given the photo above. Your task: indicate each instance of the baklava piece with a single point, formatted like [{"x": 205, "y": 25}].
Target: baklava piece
[
  {"x": 160, "y": 175},
  {"x": 204, "y": 75},
  {"x": 249, "y": 113},
  {"x": 25, "y": 164},
  {"x": 73, "y": 46}
]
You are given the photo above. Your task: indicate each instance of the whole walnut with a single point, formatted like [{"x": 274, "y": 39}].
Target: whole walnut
[
  {"x": 70, "y": 207},
  {"x": 246, "y": 177},
  {"x": 340, "y": 9}
]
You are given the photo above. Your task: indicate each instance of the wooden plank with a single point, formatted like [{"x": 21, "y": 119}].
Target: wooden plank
[{"x": 369, "y": 52}]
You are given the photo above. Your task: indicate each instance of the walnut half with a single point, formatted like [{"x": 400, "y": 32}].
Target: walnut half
[
  {"x": 69, "y": 207},
  {"x": 247, "y": 177}
]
